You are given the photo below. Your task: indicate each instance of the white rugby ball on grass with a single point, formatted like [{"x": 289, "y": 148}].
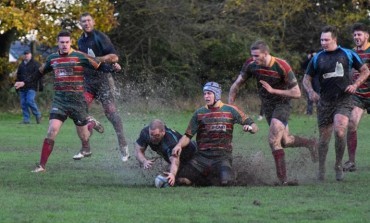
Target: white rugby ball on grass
[{"x": 161, "y": 182}]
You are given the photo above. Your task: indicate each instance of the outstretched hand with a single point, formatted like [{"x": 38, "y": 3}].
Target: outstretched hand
[
  {"x": 170, "y": 178},
  {"x": 148, "y": 164}
]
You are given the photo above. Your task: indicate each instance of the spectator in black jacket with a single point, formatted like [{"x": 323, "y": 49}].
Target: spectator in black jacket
[{"x": 28, "y": 73}]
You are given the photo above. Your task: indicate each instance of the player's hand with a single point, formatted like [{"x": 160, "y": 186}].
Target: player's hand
[
  {"x": 250, "y": 128},
  {"x": 313, "y": 96},
  {"x": 170, "y": 178},
  {"x": 148, "y": 164},
  {"x": 267, "y": 86},
  {"x": 19, "y": 84},
  {"x": 351, "y": 88},
  {"x": 117, "y": 67},
  {"x": 176, "y": 151}
]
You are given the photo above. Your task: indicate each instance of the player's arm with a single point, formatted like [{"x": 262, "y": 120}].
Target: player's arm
[
  {"x": 294, "y": 92},
  {"x": 307, "y": 84},
  {"x": 364, "y": 74},
  {"x": 140, "y": 156},
  {"x": 109, "y": 58},
  {"x": 183, "y": 142},
  {"x": 235, "y": 89},
  {"x": 174, "y": 167},
  {"x": 39, "y": 73}
]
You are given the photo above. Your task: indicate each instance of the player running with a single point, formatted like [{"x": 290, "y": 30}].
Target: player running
[
  {"x": 68, "y": 67},
  {"x": 361, "y": 97},
  {"x": 277, "y": 85}
]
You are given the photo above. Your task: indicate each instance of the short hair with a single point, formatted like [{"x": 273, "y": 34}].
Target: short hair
[
  {"x": 157, "y": 124},
  {"x": 85, "y": 14},
  {"x": 358, "y": 26},
  {"x": 260, "y": 45},
  {"x": 64, "y": 33},
  {"x": 330, "y": 29}
]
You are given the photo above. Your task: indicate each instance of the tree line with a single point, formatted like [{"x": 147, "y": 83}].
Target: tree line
[{"x": 170, "y": 47}]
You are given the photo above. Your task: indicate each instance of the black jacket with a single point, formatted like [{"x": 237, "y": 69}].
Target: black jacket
[{"x": 29, "y": 74}]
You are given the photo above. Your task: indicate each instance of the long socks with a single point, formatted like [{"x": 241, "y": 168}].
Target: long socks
[
  {"x": 352, "y": 145},
  {"x": 279, "y": 156},
  {"x": 47, "y": 148}
]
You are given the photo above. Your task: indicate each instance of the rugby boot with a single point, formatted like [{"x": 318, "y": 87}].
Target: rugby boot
[
  {"x": 349, "y": 166},
  {"x": 95, "y": 124}
]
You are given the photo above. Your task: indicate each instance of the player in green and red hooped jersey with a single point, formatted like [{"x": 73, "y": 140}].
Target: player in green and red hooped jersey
[
  {"x": 277, "y": 85},
  {"x": 361, "y": 98}
]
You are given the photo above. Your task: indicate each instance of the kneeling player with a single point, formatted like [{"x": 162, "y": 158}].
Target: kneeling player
[{"x": 162, "y": 140}]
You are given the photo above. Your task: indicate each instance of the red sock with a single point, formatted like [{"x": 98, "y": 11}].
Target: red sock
[
  {"x": 47, "y": 148},
  {"x": 352, "y": 145},
  {"x": 279, "y": 156},
  {"x": 85, "y": 146}
]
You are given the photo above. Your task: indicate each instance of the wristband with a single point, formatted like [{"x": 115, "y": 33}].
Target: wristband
[{"x": 249, "y": 121}]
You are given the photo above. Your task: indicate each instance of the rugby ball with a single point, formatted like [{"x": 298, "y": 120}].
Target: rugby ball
[{"x": 161, "y": 182}]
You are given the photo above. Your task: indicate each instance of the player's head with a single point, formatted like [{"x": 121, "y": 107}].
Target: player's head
[
  {"x": 64, "y": 42},
  {"x": 259, "y": 51},
  {"x": 87, "y": 22},
  {"x": 157, "y": 131},
  {"x": 212, "y": 93},
  {"x": 328, "y": 38},
  {"x": 360, "y": 34}
]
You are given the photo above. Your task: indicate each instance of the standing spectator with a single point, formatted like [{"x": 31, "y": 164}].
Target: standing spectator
[
  {"x": 213, "y": 124},
  {"x": 162, "y": 140},
  {"x": 28, "y": 73},
  {"x": 361, "y": 97},
  {"x": 67, "y": 66},
  {"x": 99, "y": 84},
  {"x": 315, "y": 82},
  {"x": 333, "y": 66},
  {"x": 277, "y": 85}
]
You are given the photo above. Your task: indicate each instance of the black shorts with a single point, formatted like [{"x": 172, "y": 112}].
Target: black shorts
[
  {"x": 71, "y": 105},
  {"x": 278, "y": 111},
  {"x": 203, "y": 170},
  {"x": 363, "y": 103},
  {"x": 326, "y": 110},
  {"x": 100, "y": 86}
]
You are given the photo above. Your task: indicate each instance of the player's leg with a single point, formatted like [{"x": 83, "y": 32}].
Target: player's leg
[
  {"x": 299, "y": 141},
  {"x": 84, "y": 135},
  {"x": 195, "y": 172},
  {"x": 226, "y": 173},
  {"x": 106, "y": 96},
  {"x": 275, "y": 138},
  {"x": 48, "y": 144},
  {"x": 340, "y": 128},
  {"x": 325, "y": 132},
  {"x": 80, "y": 118},
  {"x": 113, "y": 116},
  {"x": 354, "y": 121},
  {"x": 92, "y": 122}
]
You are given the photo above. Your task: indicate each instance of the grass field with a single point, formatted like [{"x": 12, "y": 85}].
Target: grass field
[{"x": 102, "y": 189}]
